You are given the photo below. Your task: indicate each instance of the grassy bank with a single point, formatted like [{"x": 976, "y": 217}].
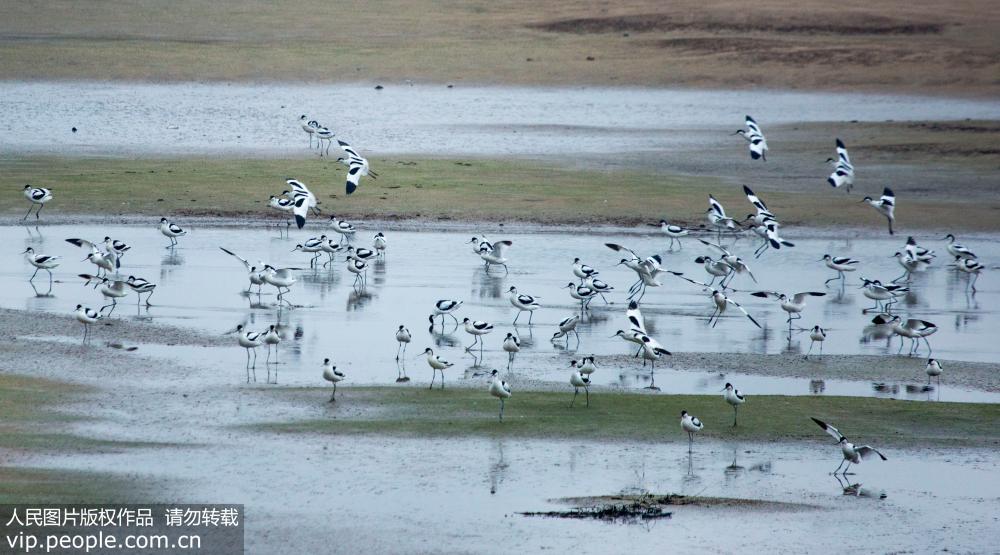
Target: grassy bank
[
  {"x": 637, "y": 417},
  {"x": 468, "y": 190},
  {"x": 893, "y": 45}
]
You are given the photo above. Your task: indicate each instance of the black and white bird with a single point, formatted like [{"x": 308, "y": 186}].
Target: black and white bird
[
  {"x": 958, "y": 250},
  {"x": 379, "y": 243},
  {"x": 674, "y": 232},
  {"x": 255, "y": 274},
  {"x": 41, "y": 262},
  {"x": 583, "y": 271},
  {"x": 444, "y": 307},
  {"x": 112, "y": 290},
  {"x": 755, "y": 139},
  {"x": 141, "y": 287},
  {"x": 437, "y": 364},
  {"x": 37, "y": 196},
  {"x": 86, "y": 316},
  {"x": 916, "y": 252},
  {"x": 816, "y": 335},
  {"x": 511, "y": 346},
  {"x": 886, "y": 205},
  {"x": 309, "y": 126},
  {"x": 913, "y": 329},
  {"x": 523, "y": 303},
  {"x": 933, "y": 370},
  {"x": 599, "y": 287},
  {"x": 840, "y": 264},
  {"x": 282, "y": 204},
  {"x": 303, "y": 201},
  {"x": 717, "y": 217},
  {"x": 578, "y": 380},
  {"x": 970, "y": 266},
  {"x": 357, "y": 166},
  {"x": 249, "y": 340},
  {"x": 477, "y": 329},
  {"x": 793, "y": 305},
  {"x": 691, "y": 425},
  {"x": 720, "y": 300},
  {"x": 566, "y": 326},
  {"x": 843, "y": 171},
  {"x": 715, "y": 268},
  {"x": 272, "y": 339},
  {"x": 324, "y": 133},
  {"x": 360, "y": 270},
  {"x": 881, "y": 293},
  {"x": 495, "y": 255},
  {"x": 116, "y": 246},
  {"x": 647, "y": 270},
  {"x": 362, "y": 254},
  {"x": 332, "y": 375},
  {"x": 586, "y": 366},
  {"x": 852, "y": 453},
  {"x": 403, "y": 338},
  {"x": 105, "y": 261},
  {"x": 343, "y": 227},
  {"x": 734, "y": 398},
  {"x": 499, "y": 389},
  {"x": 910, "y": 266},
  {"x": 314, "y": 246},
  {"x": 581, "y": 293},
  {"x": 736, "y": 264},
  {"x": 763, "y": 214},
  {"x": 281, "y": 279},
  {"x": 171, "y": 231}
]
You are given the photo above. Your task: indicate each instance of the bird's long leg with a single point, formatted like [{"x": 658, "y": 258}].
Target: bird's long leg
[
  {"x": 929, "y": 350},
  {"x": 690, "y": 441},
  {"x": 148, "y": 296},
  {"x": 334, "y": 396},
  {"x": 842, "y": 461},
  {"x": 832, "y": 279},
  {"x": 848, "y": 468},
  {"x": 433, "y": 375},
  {"x": 39, "y": 211},
  {"x": 637, "y": 353},
  {"x": 248, "y": 365},
  {"x": 30, "y": 206},
  {"x": 576, "y": 391},
  {"x": 501, "y": 409},
  {"x": 587, "y": 391},
  {"x": 268, "y": 361},
  {"x": 531, "y": 314},
  {"x": 516, "y": 317},
  {"x": 50, "y": 278},
  {"x": 735, "y": 414},
  {"x": 33, "y": 275}
]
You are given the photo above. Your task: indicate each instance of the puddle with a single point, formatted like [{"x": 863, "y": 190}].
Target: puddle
[
  {"x": 201, "y": 288},
  {"x": 363, "y": 490},
  {"x": 423, "y": 120}
]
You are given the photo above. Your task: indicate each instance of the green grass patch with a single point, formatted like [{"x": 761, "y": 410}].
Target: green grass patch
[
  {"x": 37, "y": 485},
  {"x": 654, "y": 418}
]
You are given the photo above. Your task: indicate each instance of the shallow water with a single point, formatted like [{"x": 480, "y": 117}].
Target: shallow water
[
  {"x": 363, "y": 492},
  {"x": 120, "y": 119},
  {"x": 200, "y": 287}
]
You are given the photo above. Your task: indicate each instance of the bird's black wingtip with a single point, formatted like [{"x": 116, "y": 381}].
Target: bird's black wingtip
[
  {"x": 840, "y": 144},
  {"x": 351, "y": 188},
  {"x": 819, "y": 422},
  {"x": 300, "y": 221}
]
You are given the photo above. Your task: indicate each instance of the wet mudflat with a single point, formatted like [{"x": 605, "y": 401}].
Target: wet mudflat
[{"x": 201, "y": 288}]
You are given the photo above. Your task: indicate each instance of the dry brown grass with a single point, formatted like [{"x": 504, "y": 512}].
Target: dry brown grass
[{"x": 893, "y": 45}]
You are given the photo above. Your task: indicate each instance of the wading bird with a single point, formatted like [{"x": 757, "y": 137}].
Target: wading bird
[
  {"x": 817, "y": 334},
  {"x": 171, "y": 231},
  {"x": 477, "y": 329},
  {"x": 972, "y": 267},
  {"x": 578, "y": 380},
  {"x": 254, "y": 273},
  {"x": 496, "y": 255},
  {"x": 343, "y": 227},
  {"x": 581, "y": 293},
  {"x": 282, "y": 204},
  {"x": 272, "y": 338},
  {"x": 755, "y": 139},
  {"x": 567, "y": 325},
  {"x": 523, "y": 303},
  {"x": 309, "y": 126},
  {"x": 876, "y": 291},
  {"x": 437, "y": 364},
  {"x": 41, "y": 262},
  {"x": 249, "y": 340},
  {"x": 793, "y": 305},
  {"x": 379, "y": 244},
  {"x": 933, "y": 370},
  {"x": 86, "y": 316},
  {"x": 512, "y": 346},
  {"x": 852, "y": 453},
  {"x": 674, "y": 232},
  {"x": 843, "y": 171},
  {"x": 141, "y": 286},
  {"x": 324, "y": 134},
  {"x": 37, "y": 196},
  {"x": 734, "y": 398},
  {"x": 691, "y": 425},
  {"x": 910, "y": 266},
  {"x": 583, "y": 271},
  {"x": 955, "y": 249},
  {"x": 499, "y": 389},
  {"x": 112, "y": 290},
  {"x": 403, "y": 339},
  {"x": 357, "y": 166},
  {"x": 281, "y": 279},
  {"x": 841, "y": 264},
  {"x": 105, "y": 261},
  {"x": 313, "y": 246},
  {"x": 886, "y": 206},
  {"x": 647, "y": 270},
  {"x": 720, "y": 300},
  {"x": 332, "y": 375},
  {"x": 442, "y": 308},
  {"x": 303, "y": 201},
  {"x": 116, "y": 246},
  {"x": 913, "y": 329},
  {"x": 360, "y": 270}
]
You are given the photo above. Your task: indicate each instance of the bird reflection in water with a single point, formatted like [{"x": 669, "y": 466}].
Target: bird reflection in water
[
  {"x": 486, "y": 285},
  {"x": 357, "y": 299},
  {"x": 498, "y": 468},
  {"x": 859, "y": 490},
  {"x": 816, "y": 387}
]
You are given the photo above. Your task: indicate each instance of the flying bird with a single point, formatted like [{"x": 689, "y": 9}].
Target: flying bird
[{"x": 357, "y": 166}]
